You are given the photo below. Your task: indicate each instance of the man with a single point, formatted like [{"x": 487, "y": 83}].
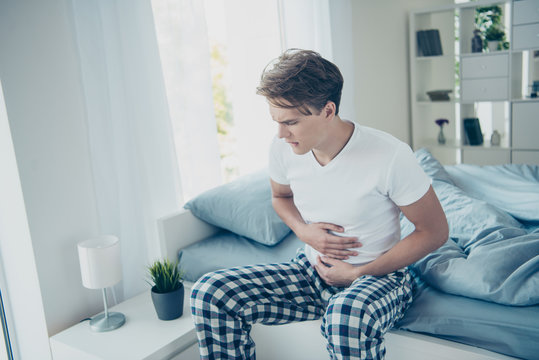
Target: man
[{"x": 340, "y": 187}]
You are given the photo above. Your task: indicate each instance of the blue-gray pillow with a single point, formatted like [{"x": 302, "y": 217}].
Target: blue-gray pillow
[{"x": 242, "y": 206}]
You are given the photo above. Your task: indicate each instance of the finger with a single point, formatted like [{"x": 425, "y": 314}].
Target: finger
[
  {"x": 331, "y": 261},
  {"x": 341, "y": 254},
  {"x": 319, "y": 261},
  {"x": 341, "y": 247},
  {"x": 323, "y": 266},
  {"x": 332, "y": 227},
  {"x": 346, "y": 241}
]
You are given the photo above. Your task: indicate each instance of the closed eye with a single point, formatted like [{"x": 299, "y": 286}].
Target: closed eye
[{"x": 289, "y": 123}]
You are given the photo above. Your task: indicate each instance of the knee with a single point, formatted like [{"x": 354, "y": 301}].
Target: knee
[
  {"x": 214, "y": 289},
  {"x": 346, "y": 317},
  {"x": 206, "y": 287}
]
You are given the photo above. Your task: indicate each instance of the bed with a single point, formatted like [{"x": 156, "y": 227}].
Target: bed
[{"x": 475, "y": 298}]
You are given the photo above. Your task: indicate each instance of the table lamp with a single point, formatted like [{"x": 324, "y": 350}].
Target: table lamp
[{"x": 101, "y": 267}]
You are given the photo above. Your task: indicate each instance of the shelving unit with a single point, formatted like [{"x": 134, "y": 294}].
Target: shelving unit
[{"x": 492, "y": 86}]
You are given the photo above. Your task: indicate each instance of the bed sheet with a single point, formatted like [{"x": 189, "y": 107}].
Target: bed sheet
[
  {"x": 513, "y": 188},
  {"x": 509, "y": 330},
  {"x": 489, "y": 255}
]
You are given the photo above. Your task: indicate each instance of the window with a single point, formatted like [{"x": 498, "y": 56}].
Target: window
[
  {"x": 243, "y": 37},
  {"x": 214, "y": 51}
]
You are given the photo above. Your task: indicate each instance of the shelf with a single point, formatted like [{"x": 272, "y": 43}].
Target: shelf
[
  {"x": 486, "y": 147},
  {"x": 483, "y": 101},
  {"x": 493, "y": 86},
  {"x": 433, "y": 143},
  {"x": 522, "y": 50},
  {"x": 526, "y": 100},
  {"x": 484, "y": 54},
  {"x": 435, "y": 57},
  {"x": 456, "y": 145},
  {"x": 428, "y": 102}
]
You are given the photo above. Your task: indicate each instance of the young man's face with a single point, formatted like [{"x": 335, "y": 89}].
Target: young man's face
[{"x": 302, "y": 132}]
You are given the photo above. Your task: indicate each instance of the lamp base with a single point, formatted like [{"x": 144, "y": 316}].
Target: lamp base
[{"x": 101, "y": 323}]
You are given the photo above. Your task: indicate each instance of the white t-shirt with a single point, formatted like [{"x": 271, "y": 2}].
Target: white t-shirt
[{"x": 360, "y": 189}]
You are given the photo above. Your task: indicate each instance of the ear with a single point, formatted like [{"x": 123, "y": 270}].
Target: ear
[{"x": 329, "y": 109}]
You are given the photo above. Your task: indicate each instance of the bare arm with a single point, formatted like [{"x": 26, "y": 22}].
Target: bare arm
[
  {"x": 316, "y": 235},
  {"x": 431, "y": 232}
]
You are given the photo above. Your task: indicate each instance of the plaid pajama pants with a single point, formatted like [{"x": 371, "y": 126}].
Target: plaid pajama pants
[{"x": 225, "y": 303}]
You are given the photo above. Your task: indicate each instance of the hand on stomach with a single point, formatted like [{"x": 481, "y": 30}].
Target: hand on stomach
[{"x": 323, "y": 238}]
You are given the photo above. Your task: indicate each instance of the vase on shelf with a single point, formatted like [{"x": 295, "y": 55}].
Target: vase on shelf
[
  {"x": 477, "y": 42},
  {"x": 441, "y": 136},
  {"x": 495, "y": 138}
]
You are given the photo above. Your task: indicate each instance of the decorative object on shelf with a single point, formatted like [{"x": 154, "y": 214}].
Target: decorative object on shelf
[
  {"x": 472, "y": 129},
  {"x": 494, "y": 37},
  {"x": 101, "y": 267},
  {"x": 439, "y": 95},
  {"x": 429, "y": 43},
  {"x": 441, "y": 136},
  {"x": 167, "y": 290},
  {"x": 495, "y": 139},
  {"x": 477, "y": 41},
  {"x": 535, "y": 89},
  {"x": 488, "y": 20}
]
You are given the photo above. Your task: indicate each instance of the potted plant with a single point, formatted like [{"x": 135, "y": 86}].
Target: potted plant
[
  {"x": 488, "y": 20},
  {"x": 494, "y": 36},
  {"x": 167, "y": 289}
]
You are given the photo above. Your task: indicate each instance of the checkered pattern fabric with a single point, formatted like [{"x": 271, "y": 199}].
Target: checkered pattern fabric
[{"x": 225, "y": 303}]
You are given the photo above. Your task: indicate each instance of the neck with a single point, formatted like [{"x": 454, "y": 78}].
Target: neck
[{"x": 337, "y": 136}]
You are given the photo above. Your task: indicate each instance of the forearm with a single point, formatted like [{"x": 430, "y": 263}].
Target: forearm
[
  {"x": 409, "y": 250},
  {"x": 287, "y": 211}
]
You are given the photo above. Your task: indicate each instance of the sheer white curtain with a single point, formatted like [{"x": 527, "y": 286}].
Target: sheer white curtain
[
  {"x": 256, "y": 33},
  {"x": 185, "y": 57},
  {"x": 305, "y": 24},
  {"x": 326, "y": 27},
  {"x": 253, "y": 39},
  {"x": 135, "y": 169}
]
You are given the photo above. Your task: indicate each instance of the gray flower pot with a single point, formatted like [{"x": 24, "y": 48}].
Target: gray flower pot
[{"x": 169, "y": 306}]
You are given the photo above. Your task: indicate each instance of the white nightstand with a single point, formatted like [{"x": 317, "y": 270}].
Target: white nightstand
[{"x": 143, "y": 336}]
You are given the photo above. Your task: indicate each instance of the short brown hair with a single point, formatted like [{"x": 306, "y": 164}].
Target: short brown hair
[{"x": 303, "y": 79}]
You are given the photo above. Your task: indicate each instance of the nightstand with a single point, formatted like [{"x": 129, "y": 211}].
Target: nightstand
[{"x": 143, "y": 336}]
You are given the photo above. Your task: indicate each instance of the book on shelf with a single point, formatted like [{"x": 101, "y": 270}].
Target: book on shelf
[
  {"x": 429, "y": 43},
  {"x": 472, "y": 129}
]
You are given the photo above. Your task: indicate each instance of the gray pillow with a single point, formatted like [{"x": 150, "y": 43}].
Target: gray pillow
[{"x": 242, "y": 206}]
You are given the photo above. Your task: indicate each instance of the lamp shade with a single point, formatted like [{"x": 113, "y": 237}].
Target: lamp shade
[{"x": 100, "y": 262}]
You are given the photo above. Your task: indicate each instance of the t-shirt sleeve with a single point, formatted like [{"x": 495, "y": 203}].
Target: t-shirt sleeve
[
  {"x": 406, "y": 180},
  {"x": 276, "y": 168}
]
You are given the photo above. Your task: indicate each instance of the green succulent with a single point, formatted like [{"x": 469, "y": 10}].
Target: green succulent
[{"x": 165, "y": 275}]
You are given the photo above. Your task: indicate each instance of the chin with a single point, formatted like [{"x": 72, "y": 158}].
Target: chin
[{"x": 299, "y": 151}]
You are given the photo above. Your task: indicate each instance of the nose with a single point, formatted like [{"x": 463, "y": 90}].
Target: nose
[{"x": 282, "y": 132}]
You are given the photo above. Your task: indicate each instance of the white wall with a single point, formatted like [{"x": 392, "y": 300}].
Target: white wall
[
  {"x": 25, "y": 317},
  {"x": 382, "y": 66},
  {"x": 43, "y": 93},
  {"x": 342, "y": 38}
]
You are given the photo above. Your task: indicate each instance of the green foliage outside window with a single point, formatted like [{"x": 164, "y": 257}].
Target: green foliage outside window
[{"x": 223, "y": 113}]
